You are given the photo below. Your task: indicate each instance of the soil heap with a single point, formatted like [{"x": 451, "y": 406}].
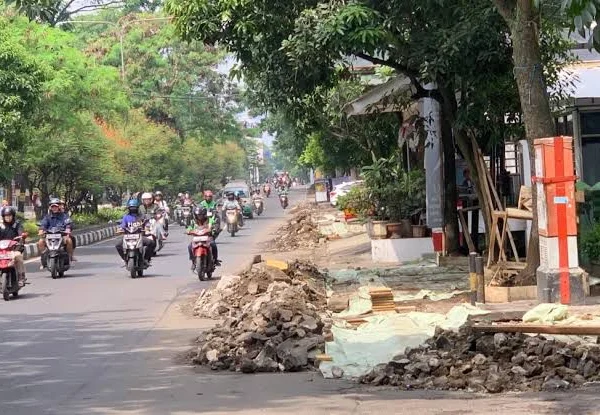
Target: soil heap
[
  {"x": 273, "y": 320},
  {"x": 490, "y": 363}
]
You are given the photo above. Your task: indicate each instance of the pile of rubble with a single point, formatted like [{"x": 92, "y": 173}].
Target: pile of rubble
[
  {"x": 300, "y": 232},
  {"x": 272, "y": 321},
  {"x": 490, "y": 363}
]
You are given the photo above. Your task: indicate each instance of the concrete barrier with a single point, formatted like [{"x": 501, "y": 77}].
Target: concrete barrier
[{"x": 82, "y": 239}]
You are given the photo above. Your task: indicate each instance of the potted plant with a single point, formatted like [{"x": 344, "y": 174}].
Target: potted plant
[
  {"x": 376, "y": 177},
  {"x": 413, "y": 185}
]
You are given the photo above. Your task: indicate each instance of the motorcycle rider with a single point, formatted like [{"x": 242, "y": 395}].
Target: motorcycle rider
[
  {"x": 63, "y": 209},
  {"x": 11, "y": 228},
  {"x": 187, "y": 200},
  {"x": 55, "y": 219},
  {"x": 133, "y": 216},
  {"x": 208, "y": 201},
  {"x": 148, "y": 209},
  {"x": 211, "y": 206},
  {"x": 232, "y": 203},
  {"x": 201, "y": 222},
  {"x": 162, "y": 204}
]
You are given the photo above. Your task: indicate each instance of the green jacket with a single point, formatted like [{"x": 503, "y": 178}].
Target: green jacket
[{"x": 212, "y": 205}]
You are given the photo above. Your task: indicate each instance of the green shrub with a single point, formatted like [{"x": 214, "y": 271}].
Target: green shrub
[
  {"x": 106, "y": 215},
  {"x": 84, "y": 219},
  {"x": 357, "y": 201},
  {"x": 590, "y": 243}
]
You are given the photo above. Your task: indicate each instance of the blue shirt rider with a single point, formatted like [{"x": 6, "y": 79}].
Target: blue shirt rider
[
  {"x": 55, "y": 219},
  {"x": 132, "y": 217}
]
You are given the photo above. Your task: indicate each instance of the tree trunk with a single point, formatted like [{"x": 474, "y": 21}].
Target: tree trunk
[
  {"x": 521, "y": 17},
  {"x": 450, "y": 189}
]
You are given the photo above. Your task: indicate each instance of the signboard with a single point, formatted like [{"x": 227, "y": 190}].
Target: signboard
[{"x": 320, "y": 190}]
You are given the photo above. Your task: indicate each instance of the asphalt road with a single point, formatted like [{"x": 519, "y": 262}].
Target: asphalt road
[{"x": 98, "y": 342}]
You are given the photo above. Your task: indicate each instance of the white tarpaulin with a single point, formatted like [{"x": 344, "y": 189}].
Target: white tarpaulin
[{"x": 383, "y": 336}]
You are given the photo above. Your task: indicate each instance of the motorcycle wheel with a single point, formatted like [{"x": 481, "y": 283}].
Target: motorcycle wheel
[
  {"x": 52, "y": 266},
  {"x": 5, "y": 292},
  {"x": 61, "y": 269},
  {"x": 131, "y": 267},
  {"x": 200, "y": 267}
]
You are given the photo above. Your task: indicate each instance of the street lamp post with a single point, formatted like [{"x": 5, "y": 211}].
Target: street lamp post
[{"x": 121, "y": 28}]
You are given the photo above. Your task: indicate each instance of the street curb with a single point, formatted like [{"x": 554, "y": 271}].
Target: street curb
[{"x": 32, "y": 251}]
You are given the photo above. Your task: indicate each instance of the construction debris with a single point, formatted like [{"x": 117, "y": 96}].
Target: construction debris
[
  {"x": 490, "y": 363},
  {"x": 300, "y": 232},
  {"x": 272, "y": 320}
]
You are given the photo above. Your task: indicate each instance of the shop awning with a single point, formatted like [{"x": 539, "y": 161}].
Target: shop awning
[{"x": 392, "y": 96}]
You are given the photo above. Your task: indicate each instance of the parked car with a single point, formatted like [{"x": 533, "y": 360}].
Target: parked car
[{"x": 341, "y": 190}]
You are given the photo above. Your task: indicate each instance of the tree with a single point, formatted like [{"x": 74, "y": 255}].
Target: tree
[
  {"x": 175, "y": 82},
  {"x": 21, "y": 78},
  {"x": 53, "y": 12},
  {"x": 65, "y": 152},
  {"x": 453, "y": 43}
]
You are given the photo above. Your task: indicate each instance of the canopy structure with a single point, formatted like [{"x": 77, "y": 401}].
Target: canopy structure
[{"x": 391, "y": 96}]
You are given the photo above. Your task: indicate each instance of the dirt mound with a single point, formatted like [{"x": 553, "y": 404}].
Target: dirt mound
[
  {"x": 490, "y": 363},
  {"x": 273, "y": 320},
  {"x": 300, "y": 232}
]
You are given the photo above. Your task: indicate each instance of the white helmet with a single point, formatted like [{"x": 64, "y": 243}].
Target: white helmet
[{"x": 147, "y": 195}]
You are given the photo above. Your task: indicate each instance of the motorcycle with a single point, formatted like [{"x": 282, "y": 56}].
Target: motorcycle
[
  {"x": 158, "y": 231},
  {"x": 186, "y": 216},
  {"x": 205, "y": 264},
  {"x": 58, "y": 259},
  {"x": 283, "y": 200},
  {"x": 258, "y": 205},
  {"x": 133, "y": 247},
  {"x": 10, "y": 278},
  {"x": 232, "y": 221}
]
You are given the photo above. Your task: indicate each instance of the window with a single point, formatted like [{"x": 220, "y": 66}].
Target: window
[{"x": 590, "y": 146}]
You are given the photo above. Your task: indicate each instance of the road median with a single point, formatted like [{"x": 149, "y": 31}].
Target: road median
[{"x": 81, "y": 239}]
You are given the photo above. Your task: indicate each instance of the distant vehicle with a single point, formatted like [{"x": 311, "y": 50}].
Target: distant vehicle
[{"x": 342, "y": 189}]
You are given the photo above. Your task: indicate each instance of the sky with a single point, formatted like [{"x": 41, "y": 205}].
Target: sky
[{"x": 224, "y": 68}]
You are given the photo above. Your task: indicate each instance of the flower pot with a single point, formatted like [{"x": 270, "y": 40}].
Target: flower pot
[
  {"x": 377, "y": 229},
  {"x": 394, "y": 230},
  {"x": 406, "y": 226},
  {"x": 419, "y": 231}
]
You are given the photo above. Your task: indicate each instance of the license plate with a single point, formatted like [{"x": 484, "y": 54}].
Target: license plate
[
  {"x": 201, "y": 238},
  {"x": 209, "y": 214},
  {"x": 132, "y": 237}
]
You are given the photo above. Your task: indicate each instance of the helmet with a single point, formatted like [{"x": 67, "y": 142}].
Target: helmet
[
  {"x": 8, "y": 210},
  {"x": 200, "y": 212},
  {"x": 54, "y": 201},
  {"x": 147, "y": 195},
  {"x": 158, "y": 193},
  {"x": 207, "y": 194},
  {"x": 229, "y": 195},
  {"x": 179, "y": 194},
  {"x": 133, "y": 205}
]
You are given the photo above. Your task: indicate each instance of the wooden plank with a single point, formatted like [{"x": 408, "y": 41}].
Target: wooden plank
[
  {"x": 508, "y": 294},
  {"x": 537, "y": 328},
  {"x": 324, "y": 358},
  {"x": 496, "y": 316},
  {"x": 465, "y": 229}
]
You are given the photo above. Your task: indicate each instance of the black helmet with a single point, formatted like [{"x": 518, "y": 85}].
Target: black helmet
[
  {"x": 8, "y": 210},
  {"x": 200, "y": 213}
]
